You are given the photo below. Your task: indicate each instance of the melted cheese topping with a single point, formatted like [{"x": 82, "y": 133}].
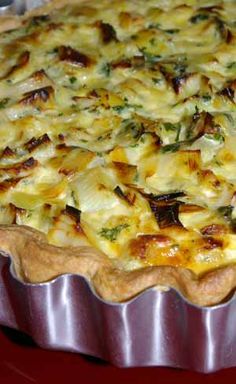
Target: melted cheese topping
[{"x": 118, "y": 129}]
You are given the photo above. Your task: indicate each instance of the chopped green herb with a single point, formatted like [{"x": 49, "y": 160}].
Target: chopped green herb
[
  {"x": 136, "y": 177},
  {"x": 180, "y": 68},
  {"x": 154, "y": 26},
  {"x": 206, "y": 97},
  {"x": 170, "y": 148},
  {"x": 104, "y": 137},
  {"x": 126, "y": 106},
  {"x": 226, "y": 211},
  {"x": 178, "y": 133},
  {"x": 199, "y": 17},
  {"x": 120, "y": 108},
  {"x": 29, "y": 214},
  {"x": 53, "y": 50},
  {"x": 73, "y": 79},
  {"x": 172, "y": 31},
  {"x": 74, "y": 198},
  {"x": 232, "y": 65},
  {"x": 220, "y": 26},
  {"x": 106, "y": 69},
  {"x": 152, "y": 41},
  {"x": 150, "y": 57},
  {"x": 171, "y": 127},
  {"x": 4, "y": 102},
  {"x": 174, "y": 128},
  {"x": 156, "y": 80},
  {"x": 111, "y": 234},
  {"x": 230, "y": 119},
  {"x": 216, "y": 136},
  {"x": 218, "y": 163},
  {"x": 132, "y": 128},
  {"x": 37, "y": 21}
]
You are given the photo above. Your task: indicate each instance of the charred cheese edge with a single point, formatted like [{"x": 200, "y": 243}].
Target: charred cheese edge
[{"x": 118, "y": 129}]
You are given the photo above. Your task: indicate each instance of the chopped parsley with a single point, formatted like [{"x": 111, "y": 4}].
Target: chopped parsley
[
  {"x": 154, "y": 26},
  {"x": 172, "y": 31},
  {"x": 4, "y": 102},
  {"x": 199, "y": 17},
  {"x": 75, "y": 202},
  {"x": 73, "y": 79},
  {"x": 216, "y": 136},
  {"x": 111, "y": 234},
  {"x": 156, "y": 81},
  {"x": 37, "y": 21},
  {"x": 171, "y": 127},
  {"x": 125, "y": 107},
  {"x": 226, "y": 212},
  {"x": 152, "y": 41},
  {"x": 53, "y": 51},
  {"x": 106, "y": 69},
  {"x": 120, "y": 108},
  {"x": 206, "y": 97},
  {"x": 180, "y": 68},
  {"x": 150, "y": 57},
  {"x": 170, "y": 148},
  {"x": 232, "y": 65},
  {"x": 133, "y": 128},
  {"x": 174, "y": 128},
  {"x": 220, "y": 26}
]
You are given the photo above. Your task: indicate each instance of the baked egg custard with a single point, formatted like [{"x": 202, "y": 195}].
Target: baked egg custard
[{"x": 118, "y": 139}]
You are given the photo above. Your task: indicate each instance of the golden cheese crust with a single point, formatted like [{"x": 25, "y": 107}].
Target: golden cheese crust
[{"x": 117, "y": 155}]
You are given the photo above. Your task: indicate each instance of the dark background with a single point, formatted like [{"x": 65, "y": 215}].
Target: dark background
[{"x": 22, "y": 362}]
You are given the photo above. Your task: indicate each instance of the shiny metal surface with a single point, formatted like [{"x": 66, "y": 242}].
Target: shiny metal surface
[
  {"x": 7, "y": 7},
  {"x": 18, "y": 6},
  {"x": 154, "y": 329}
]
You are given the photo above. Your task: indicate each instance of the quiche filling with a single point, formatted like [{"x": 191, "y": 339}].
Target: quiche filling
[{"x": 118, "y": 130}]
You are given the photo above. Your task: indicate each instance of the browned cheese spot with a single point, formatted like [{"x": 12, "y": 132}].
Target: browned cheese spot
[
  {"x": 108, "y": 32},
  {"x": 34, "y": 143},
  {"x": 139, "y": 246},
  {"x": 8, "y": 184},
  {"x": 214, "y": 229},
  {"x": 41, "y": 94},
  {"x": 72, "y": 56}
]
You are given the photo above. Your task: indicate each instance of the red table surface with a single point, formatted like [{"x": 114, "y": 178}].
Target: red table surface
[{"x": 22, "y": 362}]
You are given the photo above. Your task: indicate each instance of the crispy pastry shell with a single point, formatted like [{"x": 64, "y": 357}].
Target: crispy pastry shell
[{"x": 37, "y": 261}]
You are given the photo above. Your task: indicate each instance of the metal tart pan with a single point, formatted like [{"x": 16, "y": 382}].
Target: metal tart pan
[{"x": 155, "y": 328}]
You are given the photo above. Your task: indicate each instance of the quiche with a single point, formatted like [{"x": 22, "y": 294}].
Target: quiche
[{"x": 118, "y": 145}]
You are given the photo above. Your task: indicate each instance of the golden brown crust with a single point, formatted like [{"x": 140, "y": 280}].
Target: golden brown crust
[
  {"x": 11, "y": 22},
  {"x": 42, "y": 261},
  {"x": 36, "y": 261}
]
